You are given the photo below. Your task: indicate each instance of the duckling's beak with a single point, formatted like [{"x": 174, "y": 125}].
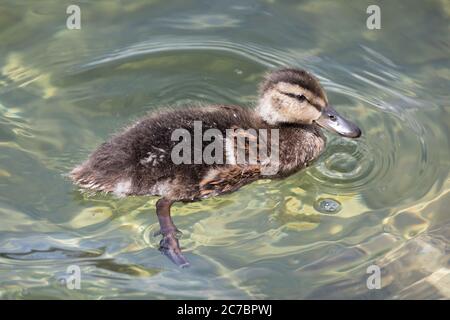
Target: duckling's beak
[{"x": 331, "y": 120}]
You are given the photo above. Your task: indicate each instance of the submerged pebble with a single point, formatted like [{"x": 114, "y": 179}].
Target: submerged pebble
[{"x": 327, "y": 205}]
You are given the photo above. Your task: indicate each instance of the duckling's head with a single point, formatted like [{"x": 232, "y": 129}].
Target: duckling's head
[{"x": 296, "y": 96}]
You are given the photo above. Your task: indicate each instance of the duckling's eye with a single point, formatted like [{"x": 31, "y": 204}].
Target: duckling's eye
[
  {"x": 332, "y": 117},
  {"x": 300, "y": 97}
]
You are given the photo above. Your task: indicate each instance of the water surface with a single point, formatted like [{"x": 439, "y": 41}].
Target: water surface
[{"x": 63, "y": 92}]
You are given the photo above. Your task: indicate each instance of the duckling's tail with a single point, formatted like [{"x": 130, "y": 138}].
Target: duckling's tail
[
  {"x": 83, "y": 177},
  {"x": 87, "y": 178},
  {"x": 107, "y": 169}
]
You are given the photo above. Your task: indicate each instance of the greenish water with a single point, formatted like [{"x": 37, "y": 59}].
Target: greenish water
[{"x": 63, "y": 92}]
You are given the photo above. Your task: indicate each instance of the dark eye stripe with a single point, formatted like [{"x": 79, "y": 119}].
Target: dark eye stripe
[
  {"x": 296, "y": 96},
  {"x": 319, "y": 108},
  {"x": 299, "y": 97}
]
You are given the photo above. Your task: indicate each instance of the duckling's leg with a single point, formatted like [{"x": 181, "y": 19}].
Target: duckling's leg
[{"x": 169, "y": 244}]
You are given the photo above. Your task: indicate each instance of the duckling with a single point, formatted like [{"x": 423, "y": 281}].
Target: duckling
[{"x": 139, "y": 160}]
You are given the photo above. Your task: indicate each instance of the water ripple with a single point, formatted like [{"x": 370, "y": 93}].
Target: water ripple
[{"x": 266, "y": 56}]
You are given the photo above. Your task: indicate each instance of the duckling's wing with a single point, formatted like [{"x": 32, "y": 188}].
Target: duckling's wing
[{"x": 227, "y": 179}]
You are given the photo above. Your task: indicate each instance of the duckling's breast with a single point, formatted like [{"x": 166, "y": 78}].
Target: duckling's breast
[{"x": 298, "y": 147}]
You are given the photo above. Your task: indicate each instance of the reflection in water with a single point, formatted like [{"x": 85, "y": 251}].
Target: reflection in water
[{"x": 380, "y": 200}]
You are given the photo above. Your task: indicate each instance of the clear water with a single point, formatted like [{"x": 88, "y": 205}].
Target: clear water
[{"x": 63, "y": 92}]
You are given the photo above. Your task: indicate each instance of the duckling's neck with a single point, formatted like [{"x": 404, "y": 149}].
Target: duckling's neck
[{"x": 299, "y": 144}]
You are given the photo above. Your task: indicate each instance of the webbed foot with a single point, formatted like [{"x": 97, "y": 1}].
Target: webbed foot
[
  {"x": 169, "y": 244},
  {"x": 170, "y": 247}
]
